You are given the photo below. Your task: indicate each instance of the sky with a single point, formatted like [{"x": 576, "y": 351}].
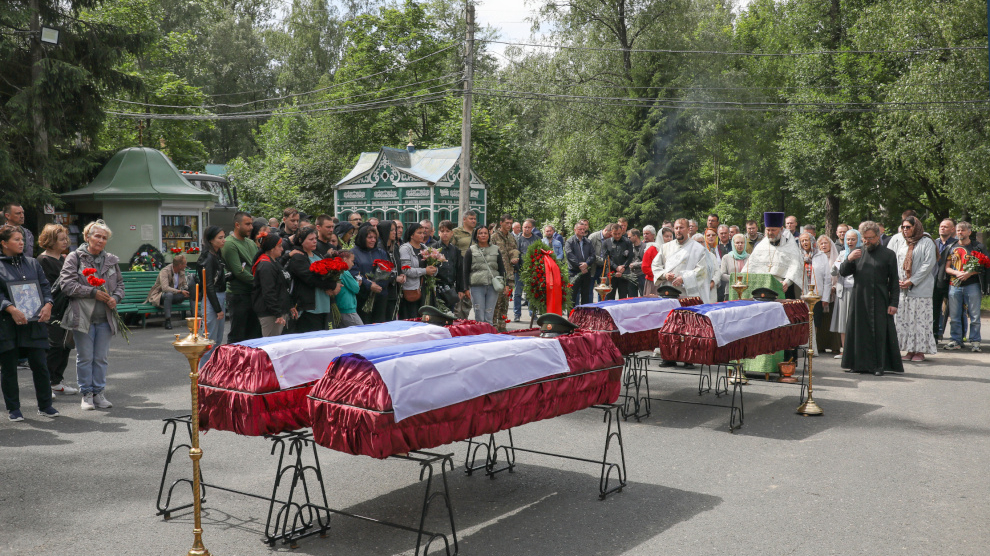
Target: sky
[{"x": 510, "y": 17}]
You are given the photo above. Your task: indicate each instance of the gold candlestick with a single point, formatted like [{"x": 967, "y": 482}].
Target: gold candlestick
[
  {"x": 193, "y": 347},
  {"x": 809, "y": 407},
  {"x": 739, "y": 375}
]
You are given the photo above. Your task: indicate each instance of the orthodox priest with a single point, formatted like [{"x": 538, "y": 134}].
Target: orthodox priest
[
  {"x": 871, "y": 337},
  {"x": 682, "y": 264},
  {"x": 779, "y": 256}
]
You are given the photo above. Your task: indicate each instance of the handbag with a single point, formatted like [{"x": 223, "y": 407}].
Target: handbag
[
  {"x": 412, "y": 296},
  {"x": 497, "y": 281}
]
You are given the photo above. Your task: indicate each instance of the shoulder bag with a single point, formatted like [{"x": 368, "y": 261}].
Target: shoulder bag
[{"x": 497, "y": 281}]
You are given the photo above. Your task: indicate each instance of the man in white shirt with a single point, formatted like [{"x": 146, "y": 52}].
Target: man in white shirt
[{"x": 682, "y": 264}]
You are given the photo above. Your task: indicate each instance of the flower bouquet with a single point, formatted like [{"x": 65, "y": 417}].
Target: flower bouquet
[
  {"x": 175, "y": 250},
  {"x": 330, "y": 267},
  {"x": 973, "y": 261},
  {"x": 432, "y": 257},
  {"x": 382, "y": 270},
  {"x": 193, "y": 250},
  {"x": 96, "y": 282}
]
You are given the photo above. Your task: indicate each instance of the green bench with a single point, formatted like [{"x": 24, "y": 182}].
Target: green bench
[{"x": 137, "y": 285}]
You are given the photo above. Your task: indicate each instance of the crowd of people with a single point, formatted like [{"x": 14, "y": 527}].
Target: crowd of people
[{"x": 880, "y": 295}]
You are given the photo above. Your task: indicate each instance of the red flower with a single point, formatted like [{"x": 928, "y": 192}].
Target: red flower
[
  {"x": 176, "y": 250},
  {"x": 508, "y": 320},
  {"x": 326, "y": 266},
  {"x": 95, "y": 282},
  {"x": 406, "y": 267},
  {"x": 384, "y": 266},
  {"x": 89, "y": 272}
]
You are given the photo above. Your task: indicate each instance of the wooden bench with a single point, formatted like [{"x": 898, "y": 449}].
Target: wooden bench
[{"x": 137, "y": 285}]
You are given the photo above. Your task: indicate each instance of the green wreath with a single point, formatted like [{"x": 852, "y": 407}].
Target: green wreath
[{"x": 534, "y": 279}]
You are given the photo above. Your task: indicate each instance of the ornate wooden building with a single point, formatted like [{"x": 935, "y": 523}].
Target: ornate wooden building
[{"x": 408, "y": 185}]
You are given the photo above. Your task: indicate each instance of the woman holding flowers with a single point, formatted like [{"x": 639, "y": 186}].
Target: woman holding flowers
[
  {"x": 388, "y": 239},
  {"x": 311, "y": 291},
  {"x": 482, "y": 263},
  {"x": 377, "y": 272},
  {"x": 91, "y": 278},
  {"x": 270, "y": 292},
  {"x": 18, "y": 334},
  {"x": 415, "y": 269}
]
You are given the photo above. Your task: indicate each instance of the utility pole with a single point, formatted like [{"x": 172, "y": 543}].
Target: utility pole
[
  {"x": 37, "y": 116},
  {"x": 465, "y": 190}
]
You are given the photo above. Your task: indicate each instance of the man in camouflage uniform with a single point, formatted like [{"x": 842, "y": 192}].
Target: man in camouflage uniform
[
  {"x": 506, "y": 243},
  {"x": 462, "y": 239}
]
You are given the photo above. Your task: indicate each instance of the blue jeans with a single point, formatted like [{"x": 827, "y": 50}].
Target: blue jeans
[
  {"x": 92, "y": 349},
  {"x": 517, "y": 297},
  {"x": 214, "y": 327},
  {"x": 484, "y": 299},
  {"x": 970, "y": 295}
]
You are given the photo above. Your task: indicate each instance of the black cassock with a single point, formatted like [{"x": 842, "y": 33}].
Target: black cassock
[{"x": 871, "y": 338}]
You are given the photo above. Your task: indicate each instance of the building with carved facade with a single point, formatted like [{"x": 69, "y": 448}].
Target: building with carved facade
[{"x": 408, "y": 185}]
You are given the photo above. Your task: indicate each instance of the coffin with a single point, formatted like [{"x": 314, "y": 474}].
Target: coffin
[
  {"x": 718, "y": 333},
  {"x": 353, "y": 411},
  {"x": 633, "y": 323},
  {"x": 259, "y": 387}
]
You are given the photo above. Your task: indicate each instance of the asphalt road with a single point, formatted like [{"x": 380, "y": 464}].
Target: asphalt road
[{"x": 897, "y": 465}]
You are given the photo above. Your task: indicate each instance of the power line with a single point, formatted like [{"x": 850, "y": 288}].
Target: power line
[
  {"x": 427, "y": 98},
  {"x": 726, "y": 53},
  {"x": 210, "y": 106},
  {"x": 592, "y": 84}
]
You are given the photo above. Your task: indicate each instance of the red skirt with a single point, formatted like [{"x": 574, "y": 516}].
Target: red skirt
[
  {"x": 688, "y": 337},
  {"x": 352, "y": 410}
]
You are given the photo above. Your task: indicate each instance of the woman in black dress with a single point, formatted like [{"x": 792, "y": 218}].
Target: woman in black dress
[{"x": 54, "y": 239}]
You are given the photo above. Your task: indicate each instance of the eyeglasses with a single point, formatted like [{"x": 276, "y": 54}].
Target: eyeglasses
[{"x": 906, "y": 227}]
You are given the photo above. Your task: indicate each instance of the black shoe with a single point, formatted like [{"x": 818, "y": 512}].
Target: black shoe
[
  {"x": 878, "y": 373},
  {"x": 668, "y": 364},
  {"x": 168, "y": 324},
  {"x": 689, "y": 365}
]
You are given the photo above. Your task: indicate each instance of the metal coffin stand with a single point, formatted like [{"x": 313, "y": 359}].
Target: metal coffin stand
[
  {"x": 493, "y": 465},
  {"x": 636, "y": 382},
  {"x": 305, "y": 510}
]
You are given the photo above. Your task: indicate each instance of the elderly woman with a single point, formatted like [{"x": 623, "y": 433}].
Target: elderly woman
[
  {"x": 733, "y": 262},
  {"x": 916, "y": 257},
  {"x": 817, "y": 273},
  {"x": 826, "y": 339},
  {"x": 842, "y": 308},
  {"x": 22, "y": 328},
  {"x": 90, "y": 315},
  {"x": 54, "y": 239},
  {"x": 414, "y": 270}
]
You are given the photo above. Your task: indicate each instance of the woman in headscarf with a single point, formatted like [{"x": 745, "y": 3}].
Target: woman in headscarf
[
  {"x": 916, "y": 257},
  {"x": 816, "y": 273},
  {"x": 734, "y": 261},
  {"x": 650, "y": 253},
  {"x": 710, "y": 243},
  {"x": 842, "y": 308},
  {"x": 826, "y": 338},
  {"x": 345, "y": 234}
]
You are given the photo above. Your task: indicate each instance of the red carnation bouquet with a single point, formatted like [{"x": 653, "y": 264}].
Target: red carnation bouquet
[
  {"x": 192, "y": 250},
  {"x": 973, "y": 261},
  {"x": 381, "y": 271},
  {"x": 330, "y": 267},
  {"x": 97, "y": 282},
  {"x": 175, "y": 250}
]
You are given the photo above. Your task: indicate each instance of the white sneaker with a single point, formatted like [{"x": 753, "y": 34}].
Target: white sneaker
[
  {"x": 64, "y": 389},
  {"x": 101, "y": 401},
  {"x": 87, "y": 402},
  {"x": 839, "y": 356}
]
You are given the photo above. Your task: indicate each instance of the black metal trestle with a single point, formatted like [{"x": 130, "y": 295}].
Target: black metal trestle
[
  {"x": 305, "y": 510},
  {"x": 611, "y": 469}
]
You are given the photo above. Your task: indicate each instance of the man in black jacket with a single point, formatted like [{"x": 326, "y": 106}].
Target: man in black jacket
[
  {"x": 619, "y": 253},
  {"x": 940, "y": 293},
  {"x": 580, "y": 254},
  {"x": 450, "y": 276}
]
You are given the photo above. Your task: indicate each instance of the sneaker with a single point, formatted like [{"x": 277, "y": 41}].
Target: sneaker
[
  {"x": 975, "y": 348},
  {"x": 918, "y": 357},
  {"x": 101, "y": 401},
  {"x": 839, "y": 356},
  {"x": 64, "y": 389},
  {"x": 953, "y": 345},
  {"x": 87, "y": 402},
  {"x": 48, "y": 412},
  {"x": 15, "y": 415}
]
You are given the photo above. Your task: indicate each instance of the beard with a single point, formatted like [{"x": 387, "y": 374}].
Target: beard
[
  {"x": 775, "y": 242},
  {"x": 872, "y": 247}
]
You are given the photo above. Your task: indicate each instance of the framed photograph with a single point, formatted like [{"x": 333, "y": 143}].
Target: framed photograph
[{"x": 26, "y": 296}]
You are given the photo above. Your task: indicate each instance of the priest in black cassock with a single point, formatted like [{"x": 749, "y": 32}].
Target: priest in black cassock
[{"x": 871, "y": 338}]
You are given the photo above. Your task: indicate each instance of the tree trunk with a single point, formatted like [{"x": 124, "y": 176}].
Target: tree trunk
[{"x": 831, "y": 214}]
